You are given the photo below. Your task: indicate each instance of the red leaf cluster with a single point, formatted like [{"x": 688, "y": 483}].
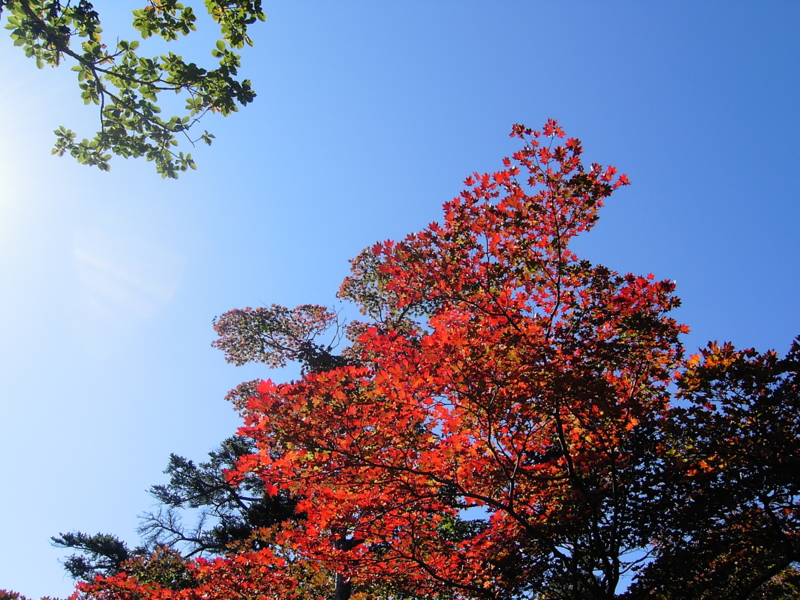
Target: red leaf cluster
[{"x": 501, "y": 425}]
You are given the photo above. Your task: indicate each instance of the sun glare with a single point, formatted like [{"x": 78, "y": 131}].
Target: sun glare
[
  {"x": 125, "y": 277},
  {"x": 33, "y": 103},
  {"x": 27, "y": 101},
  {"x": 14, "y": 144}
]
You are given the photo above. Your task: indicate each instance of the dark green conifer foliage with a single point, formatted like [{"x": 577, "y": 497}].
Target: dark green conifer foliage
[{"x": 222, "y": 514}]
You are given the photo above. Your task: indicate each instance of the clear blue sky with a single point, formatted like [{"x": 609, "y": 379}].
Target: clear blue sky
[{"x": 369, "y": 116}]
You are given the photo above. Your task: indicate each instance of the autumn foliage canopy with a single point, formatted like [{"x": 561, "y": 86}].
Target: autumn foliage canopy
[{"x": 507, "y": 421}]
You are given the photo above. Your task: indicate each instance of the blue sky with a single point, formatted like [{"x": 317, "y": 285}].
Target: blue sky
[{"x": 369, "y": 116}]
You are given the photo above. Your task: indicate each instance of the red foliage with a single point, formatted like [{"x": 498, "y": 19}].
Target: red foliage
[
  {"x": 499, "y": 372},
  {"x": 501, "y": 424}
]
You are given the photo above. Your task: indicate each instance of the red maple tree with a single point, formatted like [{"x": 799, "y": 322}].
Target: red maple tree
[{"x": 503, "y": 424}]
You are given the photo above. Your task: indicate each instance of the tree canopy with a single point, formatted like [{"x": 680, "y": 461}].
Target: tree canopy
[
  {"x": 508, "y": 421},
  {"x": 126, "y": 84}
]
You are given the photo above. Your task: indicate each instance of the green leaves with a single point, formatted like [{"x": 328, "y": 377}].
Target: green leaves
[
  {"x": 234, "y": 18},
  {"x": 126, "y": 85},
  {"x": 165, "y": 19},
  {"x": 276, "y": 335}
]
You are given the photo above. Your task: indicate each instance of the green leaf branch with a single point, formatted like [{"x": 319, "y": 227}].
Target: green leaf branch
[{"x": 126, "y": 86}]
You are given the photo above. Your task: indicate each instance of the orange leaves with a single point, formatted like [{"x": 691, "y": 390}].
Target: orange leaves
[
  {"x": 609, "y": 174},
  {"x": 266, "y": 387},
  {"x": 502, "y": 177},
  {"x": 501, "y": 422},
  {"x": 551, "y": 129},
  {"x": 501, "y": 419}
]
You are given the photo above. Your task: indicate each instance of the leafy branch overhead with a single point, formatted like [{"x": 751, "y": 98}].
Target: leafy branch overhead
[{"x": 126, "y": 85}]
